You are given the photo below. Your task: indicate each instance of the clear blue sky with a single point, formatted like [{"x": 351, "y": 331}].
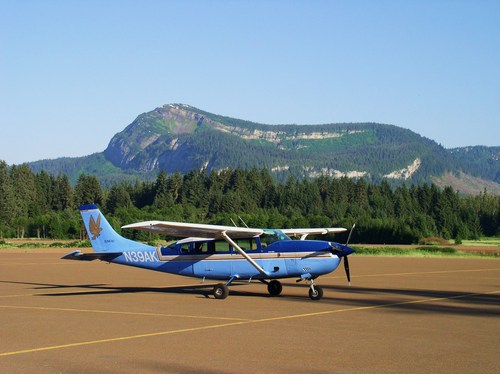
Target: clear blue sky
[{"x": 74, "y": 73}]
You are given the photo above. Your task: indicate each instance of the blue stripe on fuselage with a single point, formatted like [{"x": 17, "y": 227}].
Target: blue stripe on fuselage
[{"x": 281, "y": 264}]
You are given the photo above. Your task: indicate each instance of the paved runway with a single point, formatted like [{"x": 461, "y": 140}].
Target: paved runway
[{"x": 412, "y": 315}]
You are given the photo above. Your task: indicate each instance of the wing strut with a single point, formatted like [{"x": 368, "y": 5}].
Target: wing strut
[{"x": 242, "y": 252}]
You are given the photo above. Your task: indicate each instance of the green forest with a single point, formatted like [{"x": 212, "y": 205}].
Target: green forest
[{"x": 41, "y": 205}]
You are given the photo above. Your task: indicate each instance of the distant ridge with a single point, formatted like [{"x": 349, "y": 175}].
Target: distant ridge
[{"x": 178, "y": 137}]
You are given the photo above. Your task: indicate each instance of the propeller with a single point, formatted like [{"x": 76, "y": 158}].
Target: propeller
[
  {"x": 347, "y": 271},
  {"x": 346, "y": 260},
  {"x": 343, "y": 250}
]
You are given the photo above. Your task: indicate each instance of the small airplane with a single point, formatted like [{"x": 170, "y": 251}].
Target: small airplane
[{"x": 224, "y": 253}]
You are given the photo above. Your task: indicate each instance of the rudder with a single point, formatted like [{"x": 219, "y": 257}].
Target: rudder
[{"x": 101, "y": 234}]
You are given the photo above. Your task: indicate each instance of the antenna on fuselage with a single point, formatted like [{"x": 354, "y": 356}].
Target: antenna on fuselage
[
  {"x": 241, "y": 219},
  {"x": 350, "y": 233}
]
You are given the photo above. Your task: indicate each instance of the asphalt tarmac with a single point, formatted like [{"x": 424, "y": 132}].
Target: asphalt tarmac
[{"x": 400, "y": 315}]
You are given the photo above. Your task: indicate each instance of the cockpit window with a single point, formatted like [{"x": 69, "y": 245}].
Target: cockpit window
[
  {"x": 171, "y": 246},
  {"x": 271, "y": 236}
]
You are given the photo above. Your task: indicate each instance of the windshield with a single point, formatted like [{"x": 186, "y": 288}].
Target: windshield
[{"x": 271, "y": 236}]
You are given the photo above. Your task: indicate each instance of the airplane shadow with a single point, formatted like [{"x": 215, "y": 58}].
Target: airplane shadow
[
  {"x": 413, "y": 300},
  {"x": 447, "y": 302},
  {"x": 204, "y": 290}
]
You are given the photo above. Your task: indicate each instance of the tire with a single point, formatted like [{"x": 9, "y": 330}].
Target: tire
[
  {"x": 220, "y": 291},
  {"x": 274, "y": 288},
  {"x": 317, "y": 294}
]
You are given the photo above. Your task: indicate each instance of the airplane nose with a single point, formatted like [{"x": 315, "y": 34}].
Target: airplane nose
[{"x": 343, "y": 251}]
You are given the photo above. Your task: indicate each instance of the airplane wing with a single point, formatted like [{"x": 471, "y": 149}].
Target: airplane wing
[
  {"x": 316, "y": 231},
  {"x": 185, "y": 230}
]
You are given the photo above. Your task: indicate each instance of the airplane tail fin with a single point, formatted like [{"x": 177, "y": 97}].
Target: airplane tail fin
[{"x": 103, "y": 237}]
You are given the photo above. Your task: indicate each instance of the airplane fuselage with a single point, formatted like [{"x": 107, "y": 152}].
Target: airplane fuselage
[{"x": 283, "y": 259}]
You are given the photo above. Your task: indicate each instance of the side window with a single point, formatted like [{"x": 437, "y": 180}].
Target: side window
[
  {"x": 185, "y": 248},
  {"x": 200, "y": 247},
  {"x": 221, "y": 246},
  {"x": 248, "y": 245}
]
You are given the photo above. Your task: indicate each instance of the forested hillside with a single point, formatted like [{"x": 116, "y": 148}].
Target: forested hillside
[
  {"x": 479, "y": 161},
  {"x": 43, "y": 205}
]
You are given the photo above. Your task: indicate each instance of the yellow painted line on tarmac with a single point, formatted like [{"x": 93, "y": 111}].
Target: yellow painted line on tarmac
[
  {"x": 418, "y": 273},
  {"x": 120, "y": 312},
  {"x": 117, "y": 339},
  {"x": 238, "y": 323}
]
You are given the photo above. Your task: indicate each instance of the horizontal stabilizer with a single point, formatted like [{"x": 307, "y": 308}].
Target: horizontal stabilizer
[{"x": 78, "y": 255}]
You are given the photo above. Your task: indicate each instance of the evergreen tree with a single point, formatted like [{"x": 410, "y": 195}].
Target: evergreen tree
[
  {"x": 45, "y": 186},
  {"x": 7, "y": 202},
  {"x": 63, "y": 196},
  {"x": 88, "y": 191},
  {"x": 162, "y": 199},
  {"x": 25, "y": 198},
  {"x": 118, "y": 198},
  {"x": 174, "y": 184},
  {"x": 268, "y": 194}
]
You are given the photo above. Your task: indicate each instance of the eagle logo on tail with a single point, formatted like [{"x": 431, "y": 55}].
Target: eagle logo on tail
[{"x": 95, "y": 227}]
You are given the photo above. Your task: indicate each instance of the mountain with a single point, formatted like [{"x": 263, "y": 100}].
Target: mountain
[
  {"x": 178, "y": 137},
  {"x": 182, "y": 138}
]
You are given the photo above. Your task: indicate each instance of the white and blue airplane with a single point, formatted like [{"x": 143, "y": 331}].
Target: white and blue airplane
[{"x": 223, "y": 253}]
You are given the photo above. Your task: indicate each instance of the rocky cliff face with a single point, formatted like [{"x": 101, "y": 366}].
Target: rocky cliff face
[{"x": 153, "y": 130}]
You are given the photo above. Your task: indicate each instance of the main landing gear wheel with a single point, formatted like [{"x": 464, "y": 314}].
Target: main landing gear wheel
[
  {"x": 220, "y": 291},
  {"x": 315, "y": 293},
  {"x": 274, "y": 288}
]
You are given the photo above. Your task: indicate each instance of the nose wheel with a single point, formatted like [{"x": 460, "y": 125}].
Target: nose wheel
[{"x": 315, "y": 292}]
